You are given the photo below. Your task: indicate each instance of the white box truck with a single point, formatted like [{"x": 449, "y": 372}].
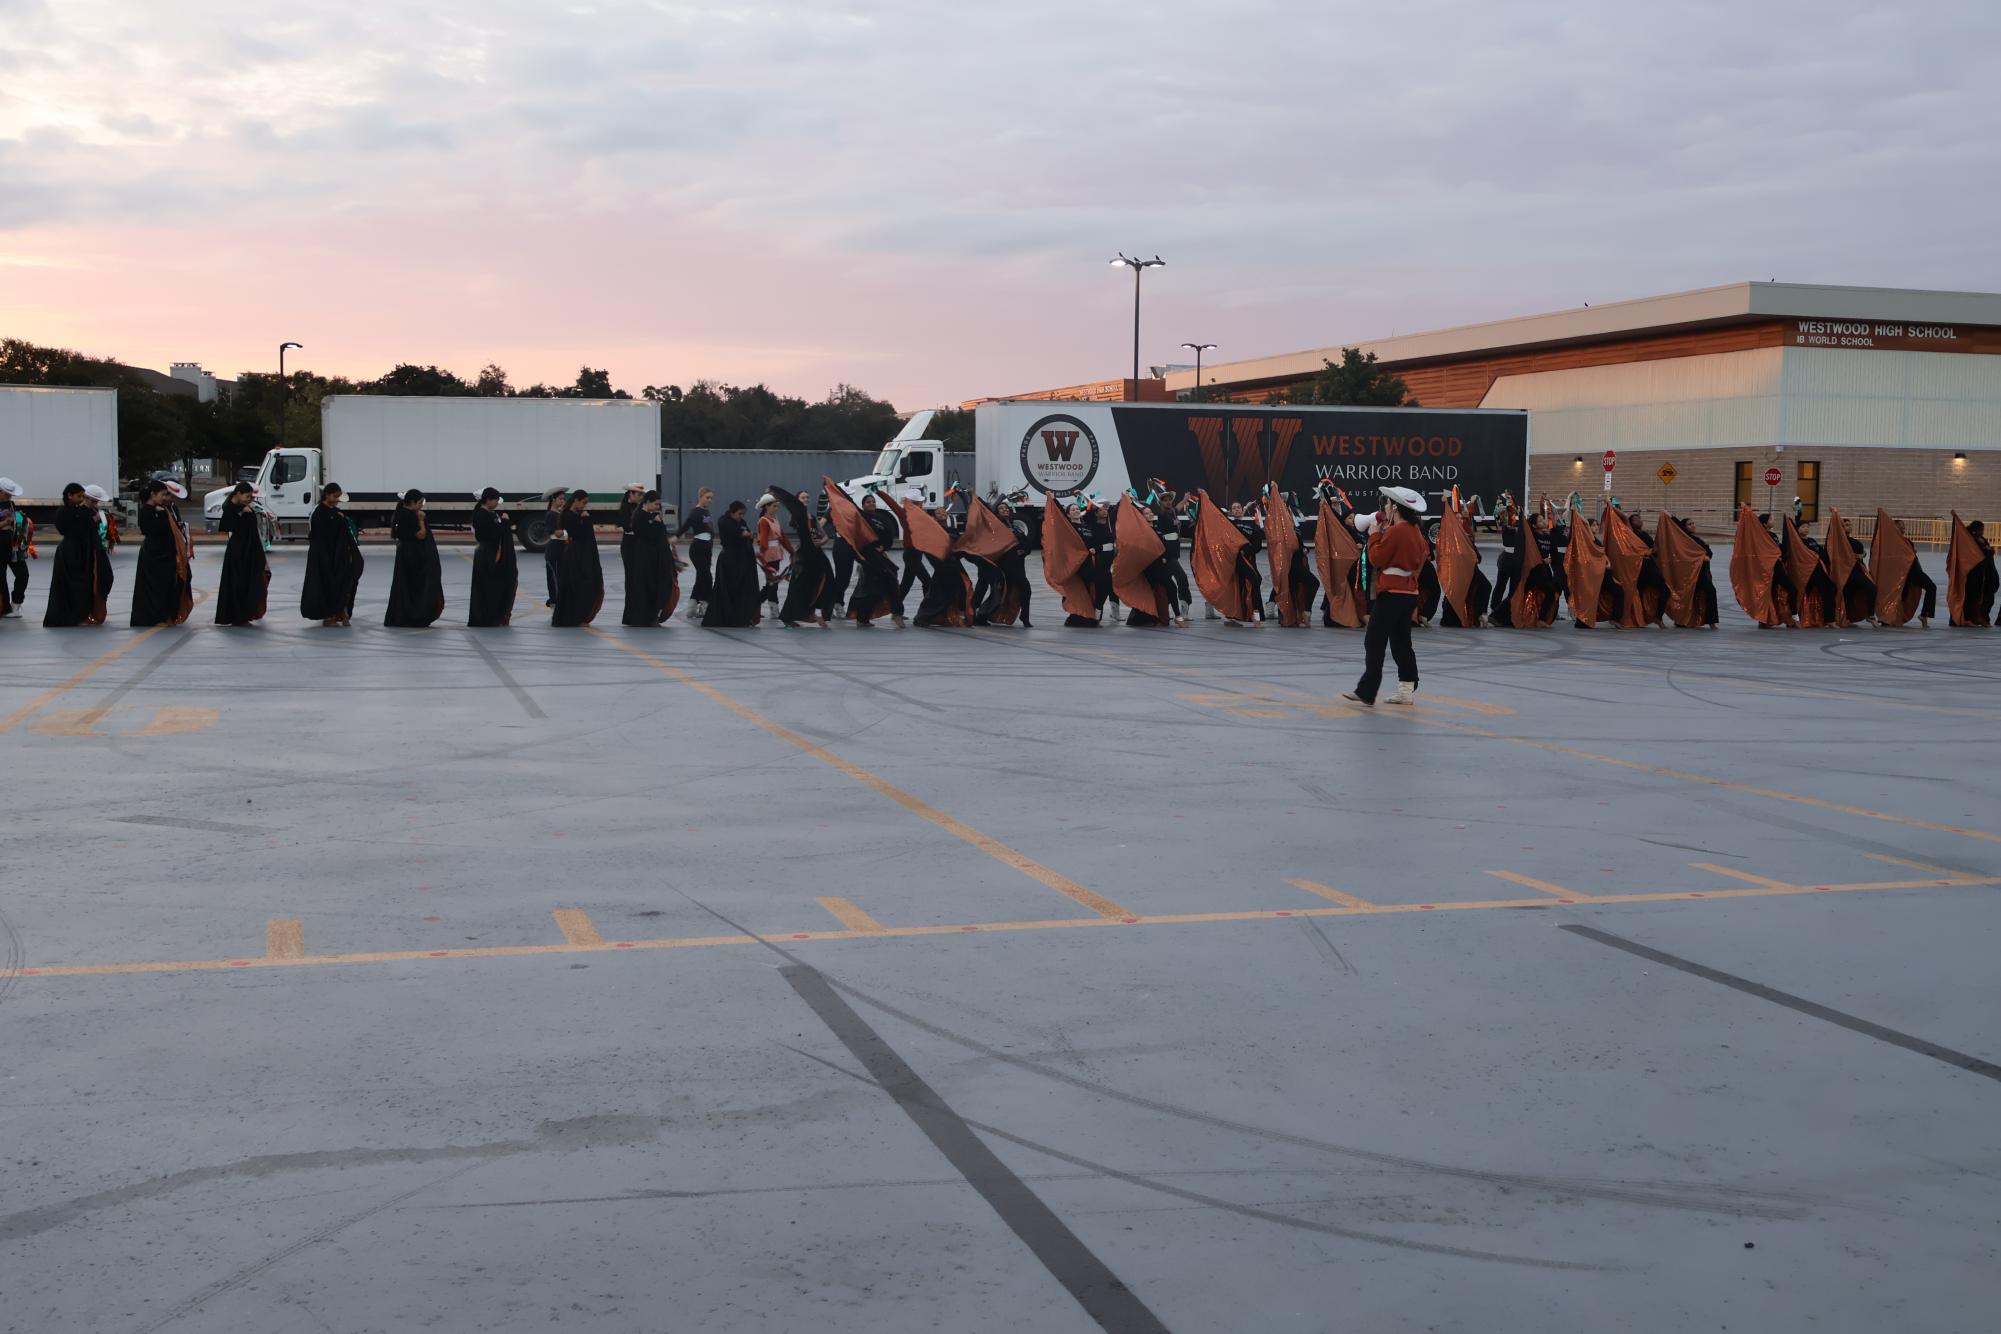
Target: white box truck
[
  {"x": 50, "y": 437},
  {"x": 377, "y": 447}
]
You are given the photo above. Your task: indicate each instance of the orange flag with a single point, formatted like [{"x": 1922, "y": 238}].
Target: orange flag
[
  {"x": 1585, "y": 567},
  {"x": 1282, "y": 544},
  {"x": 926, "y": 533},
  {"x": 1063, "y": 558},
  {"x": 1530, "y": 608},
  {"x": 1891, "y": 560},
  {"x": 848, "y": 519},
  {"x": 1802, "y": 563},
  {"x": 987, "y": 536},
  {"x": 1457, "y": 560},
  {"x": 1754, "y": 564},
  {"x": 1681, "y": 560},
  {"x": 1138, "y": 547},
  {"x": 1212, "y": 559},
  {"x": 1337, "y": 554},
  {"x": 1963, "y": 555}
]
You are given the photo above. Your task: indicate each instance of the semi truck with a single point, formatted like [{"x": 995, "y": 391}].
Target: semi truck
[
  {"x": 50, "y": 437},
  {"x": 377, "y": 447},
  {"x": 1031, "y": 448}
]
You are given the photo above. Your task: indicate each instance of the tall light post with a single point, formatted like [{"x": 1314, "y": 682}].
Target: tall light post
[
  {"x": 1199, "y": 349},
  {"x": 1138, "y": 266},
  {"x": 284, "y": 389}
]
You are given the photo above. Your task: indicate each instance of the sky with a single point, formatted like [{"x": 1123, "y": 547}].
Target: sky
[{"x": 922, "y": 198}]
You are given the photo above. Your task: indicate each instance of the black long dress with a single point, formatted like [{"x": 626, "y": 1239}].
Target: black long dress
[
  {"x": 495, "y": 573},
  {"x": 417, "y": 585},
  {"x": 579, "y": 576},
  {"x": 333, "y": 566},
  {"x": 246, "y": 578},
  {"x": 652, "y": 575},
  {"x": 877, "y": 590},
  {"x": 734, "y": 594},
  {"x": 81, "y": 577},
  {"x": 162, "y": 591},
  {"x": 810, "y": 572}
]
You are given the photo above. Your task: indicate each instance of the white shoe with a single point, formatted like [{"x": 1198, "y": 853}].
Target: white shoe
[
  {"x": 1209, "y": 613},
  {"x": 1405, "y": 693}
]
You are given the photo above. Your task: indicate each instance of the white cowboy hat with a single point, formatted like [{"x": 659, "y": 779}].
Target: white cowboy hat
[
  {"x": 176, "y": 490},
  {"x": 1405, "y": 497},
  {"x": 96, "y": 493},
  {"x": 10, "y": 486},
  {"x": 766, "y": 499},
  {"x": 637, "y": 486}
]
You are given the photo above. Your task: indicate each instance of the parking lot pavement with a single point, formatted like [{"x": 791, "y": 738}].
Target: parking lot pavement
[{"x": 673, "y": 979}]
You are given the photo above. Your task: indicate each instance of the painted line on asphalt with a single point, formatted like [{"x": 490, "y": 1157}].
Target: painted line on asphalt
[
  {"x": 850, "y": 915},
  {"x": 1330, "y": 893},
  {"x": 77, "y": 678},
  {"x": 1557, "y": 892},
  {"x": 577, "y": 927},
  {"x": 980, "y": 928},
  {"x": 1853, "y": 1023},
  {"x": 1088, "y": 1279},
  {"x": 993, "y": 847},
  {"x": 284, "y": 938},
  {"x": 1731, "y": 873},
  {"x": 1918, "y": 866}
]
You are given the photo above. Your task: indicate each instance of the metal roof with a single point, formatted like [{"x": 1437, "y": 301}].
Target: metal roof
[{"x": 1735, "y": 303}]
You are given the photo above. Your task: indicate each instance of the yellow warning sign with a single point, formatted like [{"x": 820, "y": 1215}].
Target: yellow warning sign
[{"x": 1667, "y": 474}]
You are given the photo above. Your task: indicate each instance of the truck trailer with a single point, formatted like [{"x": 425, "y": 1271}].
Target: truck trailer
[
  {"x": 377, "y": 447},
  {"x": 50, "y": 437},
  {"x": 1032, "y": 448}
]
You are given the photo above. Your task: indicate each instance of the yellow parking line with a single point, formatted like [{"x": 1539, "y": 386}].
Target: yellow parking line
[
  {"x": 1745, "y": 876},
  {"x": 284, "y": 938},
  {"x": 850, "y": 915},
  {"x": 576, "y": 926},
  {"x": 993, "y": 847},
  {"x": 77, "y": 677},
  {"x": 971, "y": 928},
  {"x": 1555, "y": 891},
  {"x": 1917, "y": 866},
  {"x": 1331, "y": 893}
]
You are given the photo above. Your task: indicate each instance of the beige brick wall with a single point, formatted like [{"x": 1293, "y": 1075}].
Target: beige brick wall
[{"x": 1910, "y": 483}]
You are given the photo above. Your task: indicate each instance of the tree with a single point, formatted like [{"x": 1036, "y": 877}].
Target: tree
[
  {"x": 1356, "y": 382},
  {"x": 593, "y": 383},
  {"x": 419, "y": 381},
  {"x": 492, "y": 382},
  {"x": 954, "y": 426}
]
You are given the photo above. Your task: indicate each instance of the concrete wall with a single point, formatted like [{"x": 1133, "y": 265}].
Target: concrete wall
[{"x": 1910, "y": 483}]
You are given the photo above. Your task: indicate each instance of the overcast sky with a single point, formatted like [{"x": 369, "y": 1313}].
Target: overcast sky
[{"x": 921, "y": 198}]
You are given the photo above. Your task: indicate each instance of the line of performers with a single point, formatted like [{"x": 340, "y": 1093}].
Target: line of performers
[{"x": 969, "y": 558}]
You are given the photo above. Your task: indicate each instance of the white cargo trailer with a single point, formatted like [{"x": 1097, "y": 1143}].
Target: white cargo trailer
[
  {"x": 377, "y": 447},
  {"x": 50, "y": 437}
]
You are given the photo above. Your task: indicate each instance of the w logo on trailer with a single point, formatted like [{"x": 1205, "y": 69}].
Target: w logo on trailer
[{"x": 1059, "y": 455}]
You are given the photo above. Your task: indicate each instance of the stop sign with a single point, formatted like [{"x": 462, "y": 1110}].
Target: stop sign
[
  {"x": 1610, "y": 459},
  {"x": 1771, "y": 477}
]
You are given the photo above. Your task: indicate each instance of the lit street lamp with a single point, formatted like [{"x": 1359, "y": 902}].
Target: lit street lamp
[
  {"x": 1138, "y": 266},
  {"x": 1199, "y": 349}
]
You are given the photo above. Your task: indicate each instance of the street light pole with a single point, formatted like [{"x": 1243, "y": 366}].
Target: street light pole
[
  {"x": 1138, "y": 266},
  {"x": 1199, "y": 349},
  {"x": 285, "y": 389}
]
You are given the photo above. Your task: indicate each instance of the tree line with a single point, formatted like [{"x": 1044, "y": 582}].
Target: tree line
[{"x": 158, "y": 430}]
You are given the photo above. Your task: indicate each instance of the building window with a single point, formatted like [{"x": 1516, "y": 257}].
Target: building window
[
  {"x": 1743, "y": 486},
  {"x": 1808, "y": 484}
]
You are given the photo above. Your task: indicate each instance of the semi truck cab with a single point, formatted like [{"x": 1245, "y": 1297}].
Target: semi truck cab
[
  {"x": 910, "y": 468},
  {"x": 288, "y": 486}
]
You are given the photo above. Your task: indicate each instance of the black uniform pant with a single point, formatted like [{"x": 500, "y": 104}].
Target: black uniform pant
[
  {"x": 19, "y": 565},
  {"x": 549, "y": 568},
  {"x": 914, "y": 573},
  {"x": 702, "y": 558},
  {"x": 1919, "y": 579},
  {"x": 1389, "y": 628},
  {"x": 1183, "y": 594},
  {"x": 1507, "y": 570}
]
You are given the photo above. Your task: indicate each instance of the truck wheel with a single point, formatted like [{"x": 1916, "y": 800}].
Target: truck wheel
[{"x": 533, "y": 531}]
